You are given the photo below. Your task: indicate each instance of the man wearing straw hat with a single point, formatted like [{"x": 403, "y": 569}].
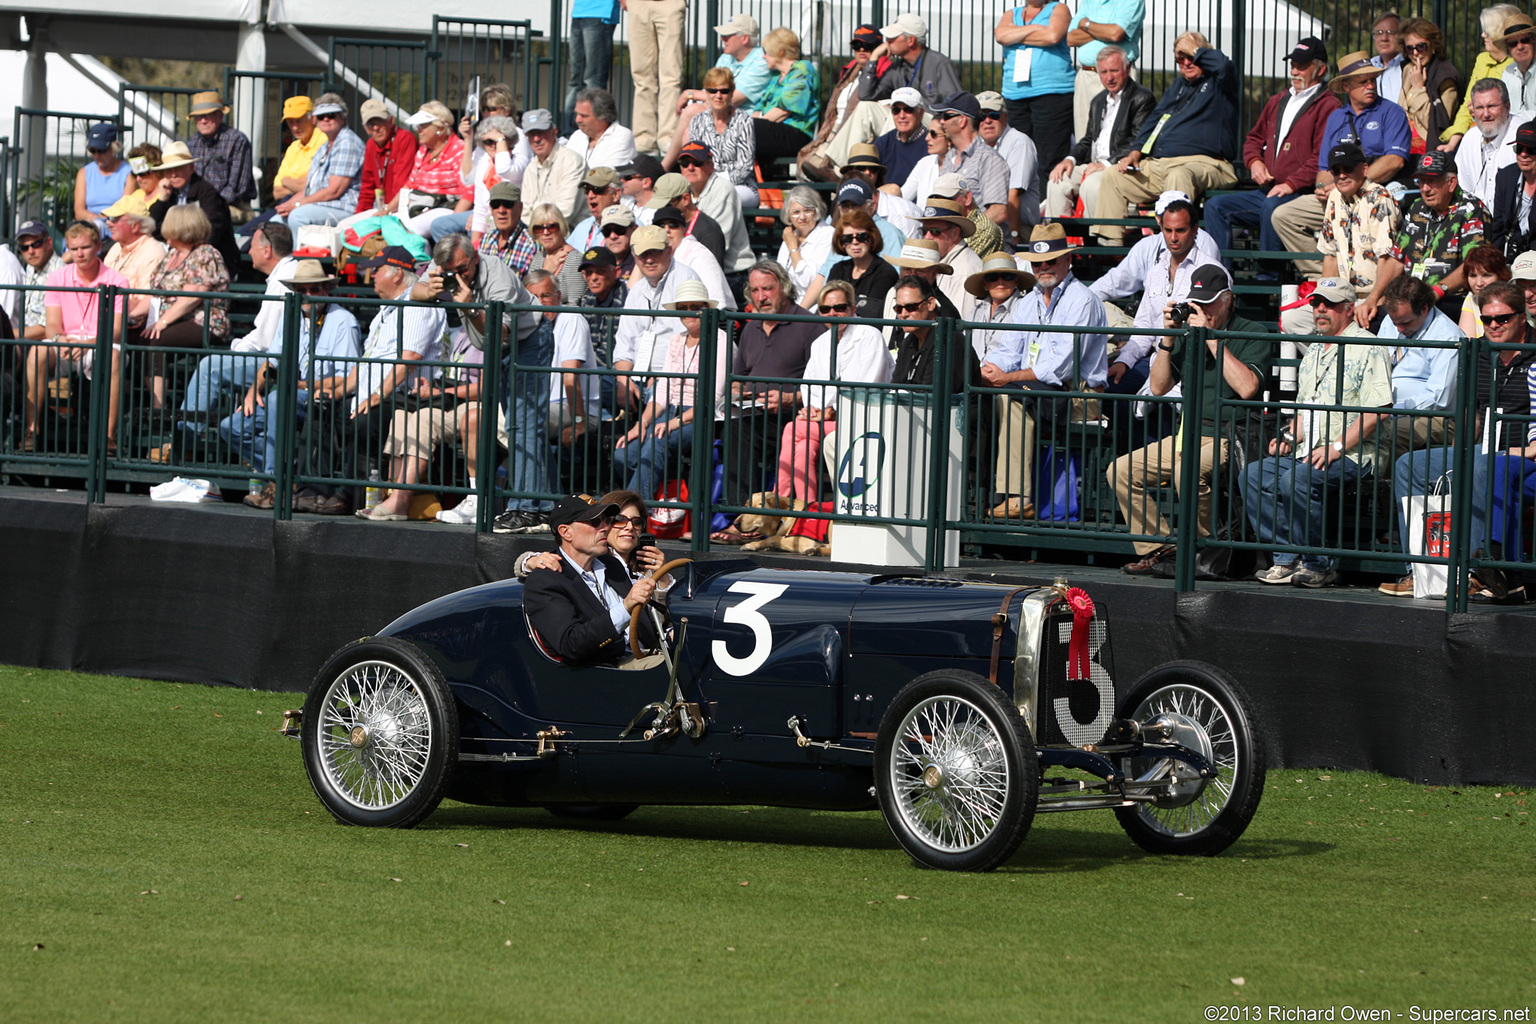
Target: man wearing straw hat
[
  {"x": 1042, "y": 360},
  {"x": 181, "y": 184},
  {"x": 222, "y": 153},
  {"x": 920, "y": 257},
  {"x": 1378, "y": 126},
  {"x": 945, "y": 222},
  {"x": 1519, "y": 41}
]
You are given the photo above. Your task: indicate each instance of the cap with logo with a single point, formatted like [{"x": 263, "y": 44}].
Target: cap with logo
[
  {"x": 855, "y": 190},
  {"x": 905, "y": 25},
  {"x": 947, "y": 186},
  {"x": 649, "y": 238},
  {"x": 539, "y": 120},
  {"x": 601, "y": 177},
  {"x": 1522, "y": 269},
  {"x": 1346, "y": 155},
  {"x": 618, "y": 214},
  {"x": 907, "y": 97},
  {"x": 33, "y": 229},
  {"x": 580, "y": 508},
  {"x": 989, "y": 100},
  {"x": 1433, "y": 164},
  {"x": 667, "y": 188},
  {"x": 1208, "y": 282},
  {"x": 695, "y": 150},
  {"x": 938, "y": 210},
  {"x": 101, "y": 136},
  {"x": 1308, "y": 50},
  {"x": 601, "y": 256},
  {"x": 1525, "y": 135},
  {"x": 644, "y": 165},
  {"x": 1047, "y": 242},
  {"x": 391, "y": 256},
  {"x": 297, "y": 106},
  {"x": 867, "y": 35},
  {"x": 1335, "y": 289}
]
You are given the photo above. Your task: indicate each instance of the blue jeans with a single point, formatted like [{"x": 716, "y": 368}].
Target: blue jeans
[
  {"x": 1418, "y": 472},
  {"x": 237, "y": 369},
  {"x": 1514, "y": 488},
  {"x": 1283, "y": 498},
  {"x": 591, "y": 61},
  {"x": 318, "y": 213},
  {"x": 651, "y": 459},
  {"x": 1250, "y": 208},
  {"x": 254, "y": 437},
  {"x": 452, "y": 224},
  {"x": 526, "y": 402}
]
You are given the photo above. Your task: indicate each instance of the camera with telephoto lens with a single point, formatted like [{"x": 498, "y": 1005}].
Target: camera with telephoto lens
[{"x": 1179, "y": 314}]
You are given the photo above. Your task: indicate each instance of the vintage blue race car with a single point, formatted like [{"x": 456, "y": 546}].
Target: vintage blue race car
[{"x": 960, "y": 708}]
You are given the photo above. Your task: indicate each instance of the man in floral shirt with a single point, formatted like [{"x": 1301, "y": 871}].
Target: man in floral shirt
[
  {"x": 1359, "y": 228},
  {"x": 1440, "y": 226}
]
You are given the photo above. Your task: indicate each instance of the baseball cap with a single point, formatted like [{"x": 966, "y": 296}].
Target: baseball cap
[
  {"x": 1522, "y": 269},
  {"x": 1173, "y": 195},
  {"x": 297, "y": 106},
  {"x": 580, "y": 508},
  {"x": 1208, "y": 282},
  {"x": 667, "y": 188},
  {"x": 738, "y": 23},
  {"x": 1335, "y": 289},
  {"x": 669, "y": 215},
  {"x": 373, "y": 109},
  {"x": 330, "y": 108},
  {"x": 1346, "y": 154},
  {"x": 907, "y": 97},
  {"x": 855, "y": 190},
  {"x": 905, "y": 25},
  {"x": 644, "y": 165},
  {"x": 867, "y": 35},
  {"x": 619, "y": 214},
  {"x": 1433, "y": 164},
  {"x": 391, "y": 256},
  {"x": 647, "y": 239},
  {"x": 32, "y": 229},
  {"x": 695, "y": 151},
  {"x": 961, "y": 103},
  {"x": 133, "y": 204},
  {"x": 1525, "y": 135},
  {"x": 537, "y": 120},
  {"x": 947, "y": 186},
  {"x": 508, "y": 191},
  {"x": 601, "y": 177},
  {"x": 1309, "y": 49},
  {"x": 601, "y": 256},
  {"x": 989, "y": 100},
  {"x": 102, "y": 135}
]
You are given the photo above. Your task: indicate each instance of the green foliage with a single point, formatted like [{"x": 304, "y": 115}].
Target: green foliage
[{"x": 166, "y": 860}]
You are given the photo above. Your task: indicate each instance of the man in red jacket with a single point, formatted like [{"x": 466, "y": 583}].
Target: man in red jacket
[
  {"x": 1280, "y": 152},
  {"x": 388, "y": 155}
]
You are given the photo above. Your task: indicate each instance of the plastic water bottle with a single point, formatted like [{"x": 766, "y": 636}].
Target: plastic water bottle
[
  {"x": 253, "y": 488},
  {"x": 378, "y": 202},
  {"x": 375, "y": 493}
]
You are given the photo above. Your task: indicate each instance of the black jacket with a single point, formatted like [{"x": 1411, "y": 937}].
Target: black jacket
[
  {"x": 1136, "y": 102},
  {"x": 1511, "y": 238},
  {"x": 222, "y": 237},
  {"x": 570, "y": 619}
]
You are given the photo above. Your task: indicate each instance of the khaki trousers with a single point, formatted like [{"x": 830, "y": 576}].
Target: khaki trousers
[
  {"x": 1013, "y": 474},
  {"x": 1156, "y": 465},
  {"x": 1189, "y": 174},
  {"x": 869, "y": 120},
  {"x": 1297, "y": 223},
  {"x": 1060, "y": 196},
  {"x": 656, "y": 58}
]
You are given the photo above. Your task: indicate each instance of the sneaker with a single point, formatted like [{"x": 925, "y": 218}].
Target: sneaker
[
  {"x": 1398, "y": 588},
  {"x": 1281, "y": 573},
  {"x": 1304, "y": 577},
  {"x": 463, "y": 514},
  {"x": 520, "y": 520}
]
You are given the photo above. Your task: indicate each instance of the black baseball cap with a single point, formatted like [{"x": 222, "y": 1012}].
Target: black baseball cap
[
  {"x": 644, "y": 165},
  {"x": 669, "y": 215},
  {"x": 391, "y": 256},
  {"x": 1345, "y": 154},
  {"x": 1208, "y": 282},
  {"x": 961, "y": 103},
  {"x": 1525, "y": 135},
  {"x": 600, "y": 256},
  {"x": 1308, "y": 50},
  {"x": 580, "y": 508},
  {"x": 1433, "y": 164}
]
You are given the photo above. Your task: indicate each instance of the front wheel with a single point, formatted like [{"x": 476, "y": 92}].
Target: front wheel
[
  {"x": 956, "y": 772},
  {"x": 1206, "y": 711},
  {"x": 380, "y": 734}
]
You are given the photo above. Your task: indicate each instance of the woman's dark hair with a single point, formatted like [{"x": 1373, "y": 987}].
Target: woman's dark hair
[
  {"x": 1488, "y": 259},
  {"x": 624, "y": 499},
  {"x": 859, "y": 220}
]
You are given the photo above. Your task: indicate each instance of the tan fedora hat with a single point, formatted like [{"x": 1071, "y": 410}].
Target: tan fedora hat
[
  {"x": 920, "y": 254},
  {"x": 998, "y": 263},
  {"x": 174, "y": 155},
  {"x": 310, "y": 272},
  {"x": 1047, "y": 242},
  {"x": 1518, "y": 24},
  {"x": 1353, "y": 65},
  {"x": 207, "y": 103},
  {"x": 938, "y": 210}
]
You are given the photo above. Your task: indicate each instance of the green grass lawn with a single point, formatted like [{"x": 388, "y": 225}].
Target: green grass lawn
[{"x": 162, "y": 858}]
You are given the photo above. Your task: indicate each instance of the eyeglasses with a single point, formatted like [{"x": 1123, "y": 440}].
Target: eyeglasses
[
  {"x": 999, "y": 276},
  {"x": 862, "y": 48},
  {"x": 1519, "y": 41},
  {"x": 204, "y": 117},
  {"x": 1525, "y": 150},
  {"x": 934, "y": 133},
  {"x": 489, "y": 142},
  {"x": 1501, "y": 319},
  {"x": 1317, "y": 300},
  {"x": 938, "y": 229},
  {"x": 835, "y": 307},
  {"x": 546, "y": 227},
  {"x": 28, "y": 246},
  {"x": 910, "y": 307},
  {"x": 902, "y": 108},
  {"x": 687, "y": 163},
  {"x": 947, "y": 115},
  {"x": 719, "y": 92},
  {"x": 691, "y": 307},
  {"x": 311, "y": 289},
  {"x": 620, "y": 522},
  {"x": 1381, "y": 32},
  {"x": 615, "y": 229},
  {"x": 1183, "y": 58},
  {"x": 861, "y": 237},
  {"x": 991, "y": 115},
  {"x": 503, "y": 204},
  {"x": 1416, "y": 48},
  {"x": 327, "y": 117}
]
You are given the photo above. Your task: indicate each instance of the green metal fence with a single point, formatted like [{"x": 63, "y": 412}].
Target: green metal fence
[
  {"x": 255, "y": 101},
  {"x": 49, "y": 150},
  {"x": 463, "y": 49},
  {"x": 397, "y": 72},
  {"x": 154, "y": 114}
]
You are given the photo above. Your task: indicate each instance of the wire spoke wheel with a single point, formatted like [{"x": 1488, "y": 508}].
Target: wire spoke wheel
[
  {"x": 380, "y": 734},
  {"x": 956, "y": 772},
  {"x": 1206, "y": 712}
]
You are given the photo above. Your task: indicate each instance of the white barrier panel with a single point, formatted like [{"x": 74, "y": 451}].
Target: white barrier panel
[{"x": 883, "y": 461}]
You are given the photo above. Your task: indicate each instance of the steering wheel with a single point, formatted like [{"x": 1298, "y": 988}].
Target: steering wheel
[{"x": 634, "y": 618}]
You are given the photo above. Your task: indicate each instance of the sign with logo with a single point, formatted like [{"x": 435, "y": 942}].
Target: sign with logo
[{"x": 859, "y": 472}]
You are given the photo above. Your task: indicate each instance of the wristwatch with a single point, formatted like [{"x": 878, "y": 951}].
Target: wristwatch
[
  {"x": 578, "y": 419},
  {"x": 1338, "y": 446},
  {"x": 1165, "y": 348}
]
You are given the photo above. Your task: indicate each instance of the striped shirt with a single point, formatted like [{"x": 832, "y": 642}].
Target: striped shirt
[
  {"x": 341, "y": 157},
  {"x": 395, "y": 331},
  {"x": 517, "y": 251},
  {"x": 224, "y": 161}
]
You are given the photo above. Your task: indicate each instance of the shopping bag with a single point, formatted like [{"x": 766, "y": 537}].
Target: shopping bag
[
  {"x": 1428, "y": 519},
  {"x": 1056, "y": 486}
]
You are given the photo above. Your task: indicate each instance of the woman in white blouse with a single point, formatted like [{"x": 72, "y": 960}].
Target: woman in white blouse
[
  {"x": 807, "y": 236},
  {"x": 861, "y": 357},
  {"x": 919, "y": 184}
]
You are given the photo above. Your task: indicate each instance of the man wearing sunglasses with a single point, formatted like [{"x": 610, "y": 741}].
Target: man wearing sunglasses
[
  {"x": 971, "y": 158},
  {"x": 714, "y": 195},
  {"x": 1513, "y": 229},
  {"x": 1018, "y": 152},
  {"x": 508, "y": 240},
  {"x": 1319, "y": 451},
  {"x": 1188, "y": 142},
  {"x": 333, "y": 185},
  {"x": 602, "y": 189},
  {"x": 638, "y": 180},
  {"x": 672, "y": 190},
  {"x": 1441, "y": 225},
  {"x": 1519, "y": 41},
  {"x": 690, "y": 253},
  {"x": 582, "y": 612},
  {"x": 35, "y": 246},
  {"x": 1484, "y": 153},
  {"x": 905, "y": 144}
]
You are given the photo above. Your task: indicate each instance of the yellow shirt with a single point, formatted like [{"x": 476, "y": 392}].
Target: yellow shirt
[{"x": 296, "y": 161}]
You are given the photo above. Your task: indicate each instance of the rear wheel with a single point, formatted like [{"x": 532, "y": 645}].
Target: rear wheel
[
  {"x": 1206, "y": 712},
  {"x": 956, "y": 772},
  {"x": 381, "y": 734}
]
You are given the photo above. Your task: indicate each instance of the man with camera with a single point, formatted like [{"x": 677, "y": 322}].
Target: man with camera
[{"x": 1232, "y": 369}]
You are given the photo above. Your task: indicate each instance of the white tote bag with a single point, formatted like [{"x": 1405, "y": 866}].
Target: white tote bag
[{"x": 1429, "y": 533}]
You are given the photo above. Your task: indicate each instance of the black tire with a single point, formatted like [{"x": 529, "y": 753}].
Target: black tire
[
  {"x": 592, "y": 812},
  {"x": 1214, "y": 718},
  {"x": 381, "y": 734},
  {"x": 956, "y": 772}
]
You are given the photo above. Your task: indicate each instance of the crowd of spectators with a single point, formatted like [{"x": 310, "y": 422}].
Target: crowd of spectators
[{"x": 1414, "y": 183}]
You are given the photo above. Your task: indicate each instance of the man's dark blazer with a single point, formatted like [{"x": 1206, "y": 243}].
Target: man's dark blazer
[
  {"x": 1511, "y": 238},
  {"x": 216, "y": 209},
  {"x": 570, "y": 619},
  {"x": 1136, "y": 102}
]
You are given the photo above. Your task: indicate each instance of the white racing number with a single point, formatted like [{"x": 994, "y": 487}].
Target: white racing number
[
  {"x": 1077, "y": 732},
  {"x": 747, "y": 614}
]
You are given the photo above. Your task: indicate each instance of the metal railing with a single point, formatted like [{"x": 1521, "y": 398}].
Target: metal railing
[
  {"x": 463, "y": 49},
  {"x": 49, "y": 150},
  {"x": 151, "y": 113},
  {"x": 256, "y": 107}
]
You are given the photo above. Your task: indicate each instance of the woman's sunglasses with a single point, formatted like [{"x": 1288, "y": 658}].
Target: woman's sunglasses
[
  {"x": 861, "y": 237},
  {"x": 835, "y": 307}
]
